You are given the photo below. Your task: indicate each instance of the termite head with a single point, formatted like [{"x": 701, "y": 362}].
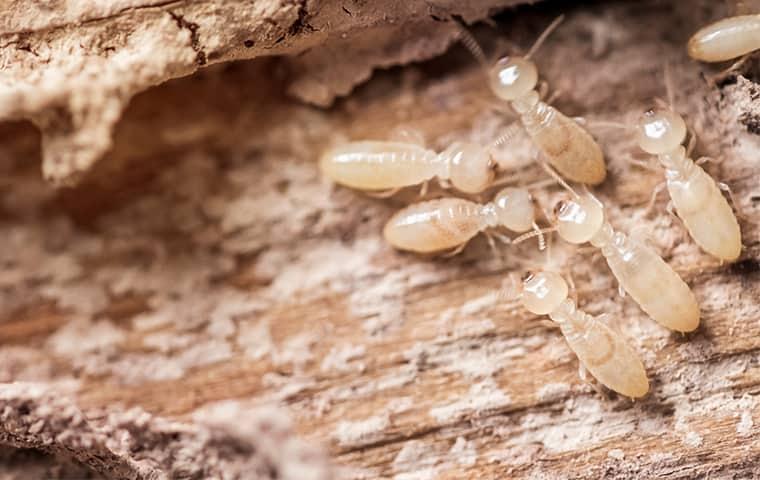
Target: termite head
[
  {"x": 472, "y": 168},
  {"x": 514, "y": 209},
  {"x": 543, "y": 292},
  {"x": 513, "y": 77},
  {"x": 660, "y": 131},
  {"x": 579, "y": 219}
]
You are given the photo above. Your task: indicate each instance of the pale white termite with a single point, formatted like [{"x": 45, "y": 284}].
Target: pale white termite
[
  {"x": 566, "y": 144},
  {"x": 600, "y": 350},
  {"x": 449, "y": 223},
  {"x": 726, "y": 39},
  {"x": 390, "y": 165},
  {"x": 639, "y": 270},
  {"x": 697, "y": 198}
]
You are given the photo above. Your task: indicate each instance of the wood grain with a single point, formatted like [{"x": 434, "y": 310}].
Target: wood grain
[{"x": 205, "y": 260}]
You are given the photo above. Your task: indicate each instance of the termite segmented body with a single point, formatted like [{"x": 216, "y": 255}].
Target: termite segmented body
[
  {"x": 601, "y": 350},
  {"x": 384, "y": 165},
  {"x": 449, "y": 223},
  {"x": 568, "y": 147},
  {"x": 698, "y": 201},
  {"x": 639, "y": 270},
  {"x": 726, "y": 39}
]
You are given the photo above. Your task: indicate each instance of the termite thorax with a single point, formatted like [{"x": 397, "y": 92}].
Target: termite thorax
[
  {"x": 604, "y": 236},
  {"x": 534, "y": 113},
  {"x": 565, "y": 312},
  {"x": 676, "y": 161},
  {"x": 490, "y": 216}
]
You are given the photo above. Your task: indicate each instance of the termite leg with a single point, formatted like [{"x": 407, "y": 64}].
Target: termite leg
[
  {"x": 739, "y": 211},
  {"x": 506, "y": 179},
  {"x": 424, "y": 188},
  {"x": 702, "y": 160},
  {"x": 621, "y": 291},
  {"x": 553, "y": 97},
  {"x": 720, "y": 76},
  {"x": 657, "y": 190},
  {"x": 502, "y": 238},
  {"x": 583, "y": 375},
  {"x": 543, "y": 89},
  {"x": 384, "y": 193},
  {"x": 552, "y": 173},
  {"x": 492, "y": 245},
  {"x": 568, "y": 276},
  {"x": 644, "y": 164},
  {"x": 490, "y": 236}
]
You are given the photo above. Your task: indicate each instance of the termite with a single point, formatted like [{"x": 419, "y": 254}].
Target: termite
[
  {"x": 391, "y": 165},
  {"x": 569, "y": 148},
  {"x": 639, "y": 270},
  {"x": 449, "y": 223},
  {"x": 600, "y": 350},
  {"x": 726, "y": 39},
  {"x": 697, "y": 198}
]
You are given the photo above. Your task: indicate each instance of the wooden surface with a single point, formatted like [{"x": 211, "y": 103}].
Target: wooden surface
[{"x": 205, "y": 260}]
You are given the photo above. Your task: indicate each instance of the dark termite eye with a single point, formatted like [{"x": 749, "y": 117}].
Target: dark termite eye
[{"x": 559, "y": 207}]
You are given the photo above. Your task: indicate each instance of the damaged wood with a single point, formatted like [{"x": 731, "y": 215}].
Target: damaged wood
[{"x": 207, "y": 299}]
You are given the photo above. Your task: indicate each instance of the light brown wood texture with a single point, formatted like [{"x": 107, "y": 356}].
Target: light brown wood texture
[
  {"x": 73, "y": 66},
  {"x": 205, "y": 260}
]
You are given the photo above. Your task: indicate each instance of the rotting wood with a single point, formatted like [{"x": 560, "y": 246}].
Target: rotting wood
[{"x": 73, "y": 68}]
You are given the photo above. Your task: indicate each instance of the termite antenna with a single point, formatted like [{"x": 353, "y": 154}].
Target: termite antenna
[
  {"x": 539, "y": 232},
  {"x": 542, "y": 38},
  {"x": 559, "y": 179},
  {"x": 468, "y": 40},
  {"x": 541, "y": 239},
  {"x": 510, "y": 132}
]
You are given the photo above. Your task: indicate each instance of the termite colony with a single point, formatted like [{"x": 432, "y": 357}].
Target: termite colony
[{"x": 567, "y": 152}]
